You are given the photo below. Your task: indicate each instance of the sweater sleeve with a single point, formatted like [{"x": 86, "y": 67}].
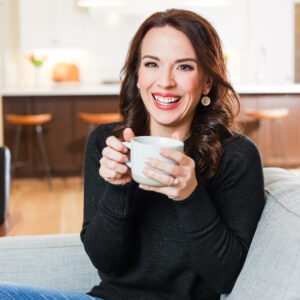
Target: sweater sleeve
[
  {"x": 107, "y": 230},
  {"x": 219, "y": 222}
]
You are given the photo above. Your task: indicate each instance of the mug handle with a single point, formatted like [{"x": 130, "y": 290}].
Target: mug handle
[{"x": 127, "y": 144}]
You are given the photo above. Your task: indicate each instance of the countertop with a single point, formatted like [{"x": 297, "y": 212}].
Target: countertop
[
  {"x": 75, "y": 89},
  {"x": 62, "y": 89}
]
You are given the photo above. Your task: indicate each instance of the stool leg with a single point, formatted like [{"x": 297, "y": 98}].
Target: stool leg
[
  {"x": 274, "y": 134},
  {"x": 90, "y": 129},
  {"x": 39, "y": 132},
  {"x": 281, "y": 138},
  {"x": 259, "y": 135},
  {"x": 16, "y": 149}
]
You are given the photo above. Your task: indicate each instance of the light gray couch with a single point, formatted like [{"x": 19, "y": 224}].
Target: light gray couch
[{"x": 271, "y": 270}]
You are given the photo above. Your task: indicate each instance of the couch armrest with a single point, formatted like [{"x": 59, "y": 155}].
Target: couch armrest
[
  {"x": 57, "y": 261},
  {"x": 5, "y": 158},
  {"x": 271, "y": 270}
]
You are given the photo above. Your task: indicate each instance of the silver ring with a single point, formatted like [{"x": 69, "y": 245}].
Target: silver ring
[{"x": 175, "y": 182}]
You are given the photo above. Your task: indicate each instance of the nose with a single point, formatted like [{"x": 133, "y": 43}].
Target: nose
[{"x": 166, "y": 78}]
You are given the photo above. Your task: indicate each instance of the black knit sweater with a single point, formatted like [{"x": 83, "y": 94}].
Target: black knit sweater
[{"x": 149, "y": 247}]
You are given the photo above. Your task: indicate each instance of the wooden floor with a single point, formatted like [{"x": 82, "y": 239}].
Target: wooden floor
[{"x": 35, "y": 210}]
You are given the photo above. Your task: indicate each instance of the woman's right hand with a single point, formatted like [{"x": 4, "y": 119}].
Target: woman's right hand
[{"x": 113, "y": 166}]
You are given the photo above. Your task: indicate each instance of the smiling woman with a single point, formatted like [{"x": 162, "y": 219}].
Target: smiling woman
[{"x": 188, "y": 238}]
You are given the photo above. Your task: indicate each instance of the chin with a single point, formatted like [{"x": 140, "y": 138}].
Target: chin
[{"x": 167, "y": 123}]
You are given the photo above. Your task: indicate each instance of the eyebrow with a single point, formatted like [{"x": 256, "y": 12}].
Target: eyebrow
[{"x": 177, "y": 61}]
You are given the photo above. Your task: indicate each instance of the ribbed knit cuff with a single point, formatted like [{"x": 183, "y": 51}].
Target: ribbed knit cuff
[
  {"x": 119, "y": 199},
  {"x": 196, "y": 212}
]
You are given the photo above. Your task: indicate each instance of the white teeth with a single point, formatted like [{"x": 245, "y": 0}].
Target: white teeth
[{"x": 166, "y": 100}]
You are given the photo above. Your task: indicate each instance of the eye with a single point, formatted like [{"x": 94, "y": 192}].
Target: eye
[
  {"x": 186, "y": 67},
  {"x": 150, "y": 64}
]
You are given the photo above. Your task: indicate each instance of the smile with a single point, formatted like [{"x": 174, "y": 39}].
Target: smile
[{"x": 166, "y": 101}]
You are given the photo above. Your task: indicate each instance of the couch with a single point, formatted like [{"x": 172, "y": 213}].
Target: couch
[
  {"x": 5, "y": 159},
  {"x": 271, "y": 270}
]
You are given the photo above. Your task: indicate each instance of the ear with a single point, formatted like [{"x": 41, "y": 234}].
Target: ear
[{"x": 207, "y": 85}]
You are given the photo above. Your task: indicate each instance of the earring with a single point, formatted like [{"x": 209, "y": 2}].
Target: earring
[{"x": 205, "y": 101}]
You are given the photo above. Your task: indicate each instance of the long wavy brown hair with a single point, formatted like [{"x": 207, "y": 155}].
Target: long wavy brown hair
[{"x": 212, "y": 126}]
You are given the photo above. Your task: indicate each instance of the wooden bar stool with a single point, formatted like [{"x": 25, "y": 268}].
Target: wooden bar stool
[
  {"x": 274, "y": 116},
  {"x": 30, "y": 120},
  {"x": 95, "y": 119}
]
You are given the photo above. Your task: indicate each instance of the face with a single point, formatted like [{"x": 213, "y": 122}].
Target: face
[{"x": 170, "y": 79}]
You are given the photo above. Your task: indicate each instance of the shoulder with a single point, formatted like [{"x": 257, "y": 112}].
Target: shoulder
[
  {"x": 240, "y": 147},
  {"x": 241, "y": 157}
]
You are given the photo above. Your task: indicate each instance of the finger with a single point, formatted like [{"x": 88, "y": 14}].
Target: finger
[
  {"x": 163, "y": 178},
  {"x": 114, "y": 155},
  {"x": 167, "y": 167},
  {"x": 177, "y": 156},
  {"x": 113, "y": 165},
  {"x": 116, "y": 144},
  {"x": 128, "y": 134},
  {"x": 108, "y": 173}
]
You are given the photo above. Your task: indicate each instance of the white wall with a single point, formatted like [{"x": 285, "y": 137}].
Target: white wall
[{"x": 258, "y": 36}]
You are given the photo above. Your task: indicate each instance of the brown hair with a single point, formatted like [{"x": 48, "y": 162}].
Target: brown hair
[{"x": 212, "y": 126}]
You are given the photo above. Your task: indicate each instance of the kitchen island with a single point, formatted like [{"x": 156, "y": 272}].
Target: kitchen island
[{"x": 65, "y": 135}]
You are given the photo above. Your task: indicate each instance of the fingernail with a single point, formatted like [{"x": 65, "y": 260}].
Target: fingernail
[
  {"x": 125, "y": 150},
  {"x": 126, "y": 159}
]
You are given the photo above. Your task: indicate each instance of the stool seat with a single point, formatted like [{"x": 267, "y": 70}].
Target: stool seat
[
  {"x": 267, "y": 114},
  {"x": 100, "y": 118},
  {"x": 28, "y": 119},
  {"x": 274, "y": 117}
]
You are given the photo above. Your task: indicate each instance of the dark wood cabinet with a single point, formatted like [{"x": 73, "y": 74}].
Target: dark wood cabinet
[
  {"x": 65, "y": 136},
  {"x": 266, "y": 135}
]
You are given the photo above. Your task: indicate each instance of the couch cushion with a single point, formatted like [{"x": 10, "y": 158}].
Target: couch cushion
[
  {"x": 57, "y": 261},
  {"x": 272, "y": 267}
]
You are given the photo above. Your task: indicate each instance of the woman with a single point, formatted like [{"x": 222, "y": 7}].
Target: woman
[{"x": 189, "y": 239}]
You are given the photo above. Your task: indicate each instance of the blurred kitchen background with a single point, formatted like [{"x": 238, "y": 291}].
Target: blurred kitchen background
[
  {"x": 60, "y": 63},
  {"x": 258, "y": 37}
]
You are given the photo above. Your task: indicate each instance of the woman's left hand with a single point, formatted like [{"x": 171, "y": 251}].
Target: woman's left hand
[{"x": 183, "y": 173}]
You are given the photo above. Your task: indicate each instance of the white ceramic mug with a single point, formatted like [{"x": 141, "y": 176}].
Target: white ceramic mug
[{"x": 143, "y": 147}]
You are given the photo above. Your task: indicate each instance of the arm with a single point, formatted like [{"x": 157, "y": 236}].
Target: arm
[
  {"x": 107, "y": 230},
  {"x": 220, "y": 222}
]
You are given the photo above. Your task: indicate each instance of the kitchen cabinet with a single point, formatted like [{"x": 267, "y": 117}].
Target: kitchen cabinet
[
  {"x": 266, "y": 135},
  {"x": 50, "y": 24},
  {"x": 65, "y": 136}
]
